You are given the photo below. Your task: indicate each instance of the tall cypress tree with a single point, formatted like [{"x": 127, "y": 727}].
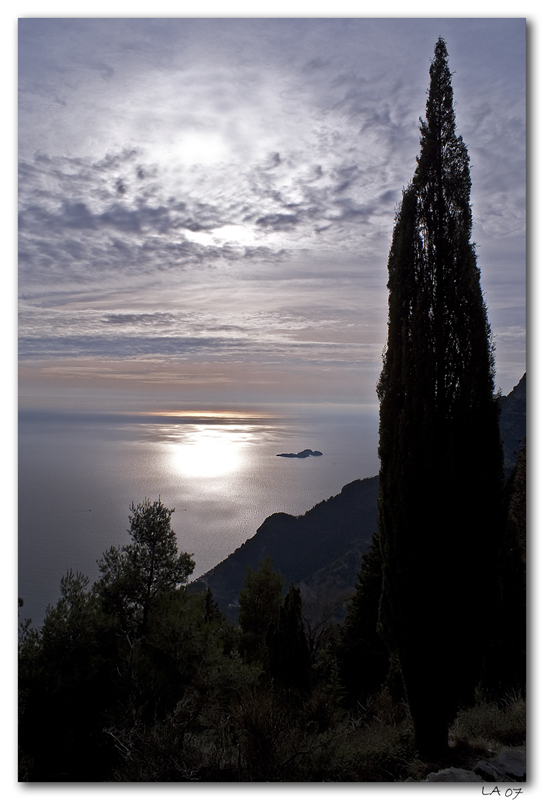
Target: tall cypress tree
[
  {"x": 288, "y": 651},
  {"x": 440, "y": 512}
]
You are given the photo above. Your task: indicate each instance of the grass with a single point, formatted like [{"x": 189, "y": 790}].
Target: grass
[
  {"x": 492, "y": 725},
  {"x": 479, "y": 733},
  {"x": 266, "y": 738},
  {"x": 381, "y": 745}
]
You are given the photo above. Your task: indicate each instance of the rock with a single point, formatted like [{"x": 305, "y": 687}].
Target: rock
[
  {"x": 454, "y": 775},
  {"x": 511, "y": 764},
  {"x": 507, "y": 767},
  {"x": 490, "y": 773}
]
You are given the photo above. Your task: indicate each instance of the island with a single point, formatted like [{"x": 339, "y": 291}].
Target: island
[{"x": 302, "y": 454}]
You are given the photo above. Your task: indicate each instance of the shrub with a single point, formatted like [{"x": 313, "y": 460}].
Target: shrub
[{"x": 492, "y": 725}]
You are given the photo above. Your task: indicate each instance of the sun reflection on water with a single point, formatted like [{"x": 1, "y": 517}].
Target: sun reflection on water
[{"x": 207, "y": 451}]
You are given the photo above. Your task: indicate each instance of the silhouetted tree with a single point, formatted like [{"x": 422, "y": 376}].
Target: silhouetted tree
[
  {"x": 114, "y": 665},
  {"x": 441, "y": 460},
  {"x": 212, "y": 613},
  {"x": 137, "y": 573},
  {"x": 289, "y": 655},
  {"x": 363, "y": 657},
  {"x": 506, "y": 662},
  {"x": 66, "y": 682},
  {"x": 259, "y": 604}
]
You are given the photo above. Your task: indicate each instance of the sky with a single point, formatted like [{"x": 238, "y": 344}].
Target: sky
[{"x": 206, "y": 205}]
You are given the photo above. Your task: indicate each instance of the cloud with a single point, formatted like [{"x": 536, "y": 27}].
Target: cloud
[
  {"x": 147, "y": 228},
  {"x": 192, "y": 189},
  {"x": 279, "y": 222},
  {"x": 158, "y": 318}
]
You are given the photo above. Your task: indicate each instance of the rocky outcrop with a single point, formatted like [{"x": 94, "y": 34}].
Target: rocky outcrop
[
  {"x": 508, "y": 767},
  {"x": 302, "y": 454},
  {"x": 454, "y": 775}
]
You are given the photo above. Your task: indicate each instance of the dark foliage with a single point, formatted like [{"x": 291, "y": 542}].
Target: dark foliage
[
  {"x": 100, "y": 658},
  {"x": 67, "y": 678},
  {"x": 441, "y": 463},
  {"x": 288, "y": 651},
  {"x": 363, "y": 657},
  {"x": 340, "y": 529},
  {"x": 185, "y": 701},
  {"x": 259, "y": 607},
  {"x": 506, "y": 661},
  {"x": 135, "y": 575}
]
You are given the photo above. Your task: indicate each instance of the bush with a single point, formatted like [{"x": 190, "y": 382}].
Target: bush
[{"x": 492, "y": 725}]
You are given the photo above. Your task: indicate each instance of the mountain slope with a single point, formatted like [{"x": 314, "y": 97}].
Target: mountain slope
[
  {"x": 301, "y": 546},
  {"x": 513, "y": 423}
]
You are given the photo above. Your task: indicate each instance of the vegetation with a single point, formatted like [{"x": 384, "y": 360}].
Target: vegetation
[
  {"x": 259, "y": 606},
  {"x": 134, "y": 576},
  {"x": 183, "y": 704},
  {"x": 185, "y": 699},
  {"x": 363, "y": 656},
  {"x": 440, "y": 497}
]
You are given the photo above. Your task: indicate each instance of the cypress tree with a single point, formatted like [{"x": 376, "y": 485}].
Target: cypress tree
[
  {"x": 288, "y": 651},
  {"x": 440, "y": 514},
  {"x": 259, "y": 606},
  {"x": 363, "y": 658},
  {"x": 506, "y": 662}
]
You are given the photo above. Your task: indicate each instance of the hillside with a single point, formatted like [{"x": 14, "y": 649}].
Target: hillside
[
  {"x": 321, "y": 550},
  {"x": 304, "y": 545},
  {"x": 513, "y": 423}
]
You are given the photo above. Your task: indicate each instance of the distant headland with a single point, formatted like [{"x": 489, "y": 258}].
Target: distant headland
[{"x": 302, "y": 454}]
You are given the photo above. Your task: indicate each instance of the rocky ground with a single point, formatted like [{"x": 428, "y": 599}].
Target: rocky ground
[{"x": 508, "y": 767}]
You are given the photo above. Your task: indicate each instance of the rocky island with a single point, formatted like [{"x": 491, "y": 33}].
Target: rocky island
[{"x": 302, "y": 454}]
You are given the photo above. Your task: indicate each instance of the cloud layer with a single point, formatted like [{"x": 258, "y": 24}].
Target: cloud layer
[{"x": 197, "y": 192}]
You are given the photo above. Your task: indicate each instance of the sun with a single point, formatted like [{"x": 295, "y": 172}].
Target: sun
[
  {"x": 241, "y": 235},
  {"x": 203, "y": 147}
]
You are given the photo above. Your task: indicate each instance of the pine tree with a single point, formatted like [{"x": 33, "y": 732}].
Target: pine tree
[
  {"x": 440, "y": 513},
  {"x": 134, "y": 575}
]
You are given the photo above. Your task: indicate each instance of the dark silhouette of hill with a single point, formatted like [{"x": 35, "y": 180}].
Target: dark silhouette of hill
[
  {"x": 513, "y": 423},
  {"x": 301, "y": 546},
  {"x": 321, "y": 550}
]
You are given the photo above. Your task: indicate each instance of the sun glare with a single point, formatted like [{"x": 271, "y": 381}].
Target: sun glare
[
  {"x": 208, "y": 451},
  {"x": 215, "y": 414},
  {"x": 204, "y": 148},
  {"x": 228, "y": 234}
]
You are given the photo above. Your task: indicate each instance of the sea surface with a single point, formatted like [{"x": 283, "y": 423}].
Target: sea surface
[{"x": 79, "y": 475}]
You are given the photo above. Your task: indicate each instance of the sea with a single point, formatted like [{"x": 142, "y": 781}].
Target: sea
[{"x": 79, "y": 475}]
